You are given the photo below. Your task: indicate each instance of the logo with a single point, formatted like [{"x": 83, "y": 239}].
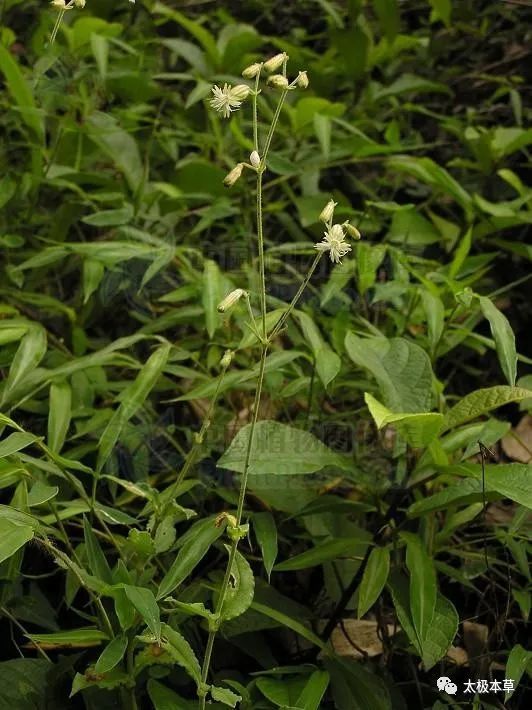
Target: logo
[{"x": 446, "y": 685}]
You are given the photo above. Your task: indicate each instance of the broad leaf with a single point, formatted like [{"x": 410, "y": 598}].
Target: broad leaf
[
  {"x": 240, "y": 590},
  {"x": 418, "y": 429},
  {"x": 279, "y": 449},
  {"x": 401, "y": 368},
  {"x": 13, "y": 537},
  {"x": 482, "y": 401}
]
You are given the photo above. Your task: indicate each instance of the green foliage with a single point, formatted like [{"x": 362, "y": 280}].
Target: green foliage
[{"x": 157, "y": 545}]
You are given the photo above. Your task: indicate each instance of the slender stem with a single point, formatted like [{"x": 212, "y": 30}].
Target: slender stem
[
  {"x": 191, "y": 456},
  {"x": 56, "y": 26},
  {"x": 255, "y": 112},
  {"x": 240, "y": 509},
  {"x": 274, "y": 125},
  {"x": 260, "y": 236},
  {"x": 282, "y": 320}
]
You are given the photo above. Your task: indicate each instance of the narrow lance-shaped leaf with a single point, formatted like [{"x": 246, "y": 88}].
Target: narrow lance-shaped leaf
[
  {"x": 97, "y": 561},
  {"x": 29, "y": 354},
  {"x": 132, "y": 399},
  {"x": 423, "y": 587},
  {"x": 373, "y": 579},
  {"x": 191, "y": 553},
  {"x": 112, "y": 654},
  {"x": 504, "y": 338},
  {"x": 144, "y": 602},
  {"x": 59, "y": 415},
  {"x": 266, "y": 532}
]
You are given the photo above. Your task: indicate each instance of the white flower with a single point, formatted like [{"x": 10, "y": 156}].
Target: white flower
[
  {"x": 228, "y": 99},
  {"x": 334, "y": 242}
]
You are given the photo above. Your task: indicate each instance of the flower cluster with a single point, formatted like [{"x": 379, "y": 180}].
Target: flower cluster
[
  {"x": 227, "y": 98},
  {"x": 334, "y": 240}
]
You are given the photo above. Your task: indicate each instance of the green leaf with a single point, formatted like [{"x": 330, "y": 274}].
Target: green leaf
[
  {"x": 423, "y": 586},
  {"x": 75, "y": 638},
  {"x": 435, "y": 311},
  {"x": 443, "y": 629},
  {"x": 279, "y": 449},
  {"x": 313, "y": 692},
  {"x": 110, "y": 218},
  {"x": 16, "y": 442},
  {"x": 111, "y": 655},
  {"x": 266, "y": 533},
  {"x": 327, "y": 361},
  {"x": 373, "y": 579},
  {"x": 181, "y": 651},
  {"x": 401, "y": 368},
  {"x": 24, "y": 683},
  {"x": 463, "y": 493},
  {"x": 368, "y": 257},
  {"x": 399, "y": 590},
  {"x": 323, "y": 552},
  {"x": 41, "y": 493},
  {"x": 29, "y": 354},
  {"x": 60, "y": 414},
  {"x": 429, "y": 172},
  {"x": 418, "y": 429},
  {"x": 510, "y": 480},
  {"x": 441, "y": 10},
  {"x": 225, "y": 696},
  {"x": 119, "y": 145},
  {"x": 13, "y": 537},
  {"x": 241, "y": 588},
  {"x": 388, "y": 13},
  {"x": 197, "y": 544},
  {"x": 164, "y": 698},
  {"x": 97, "y": 561},
  {"x": 132, "y": 399},
  {"x": 289, "y": 622},
  {"x": 144, "y": 602},
  {"x": 518, "y": 660},
  {"x": 481, "y": 401},
  {"x": 21, "y": 92},
  {"x": 356, "y": 688},
  {"x": 504, "y": 338}
]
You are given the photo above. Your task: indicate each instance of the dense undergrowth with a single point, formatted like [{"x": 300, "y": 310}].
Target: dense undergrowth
[{"x": 385, "y": 530}]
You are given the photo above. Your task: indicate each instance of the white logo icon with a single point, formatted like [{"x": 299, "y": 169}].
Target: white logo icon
[
  {"x": 442, "y": 682},
  {"x": 447, "y": 685}
]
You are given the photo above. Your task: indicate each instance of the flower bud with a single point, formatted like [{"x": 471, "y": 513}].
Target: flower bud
[
  {"x": 59, "y": 4},
  {"x": 240, "y": 92},
  {"x": 230, "y": 300},
  {"x": 278, "y": 81},
  {"x": 79, "y": 3},
  {"x": 274, "y": 63},
  {"x": 327, "y": 212},
  {"x": 302, "y": 80},
  {"x": 251, "y": 71},
  {"x": 234, "y": 175},
  {"x": 227, "y": 359},
  {"x": 254, "y": 159},
  {"x": 352, "y": 231}
]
